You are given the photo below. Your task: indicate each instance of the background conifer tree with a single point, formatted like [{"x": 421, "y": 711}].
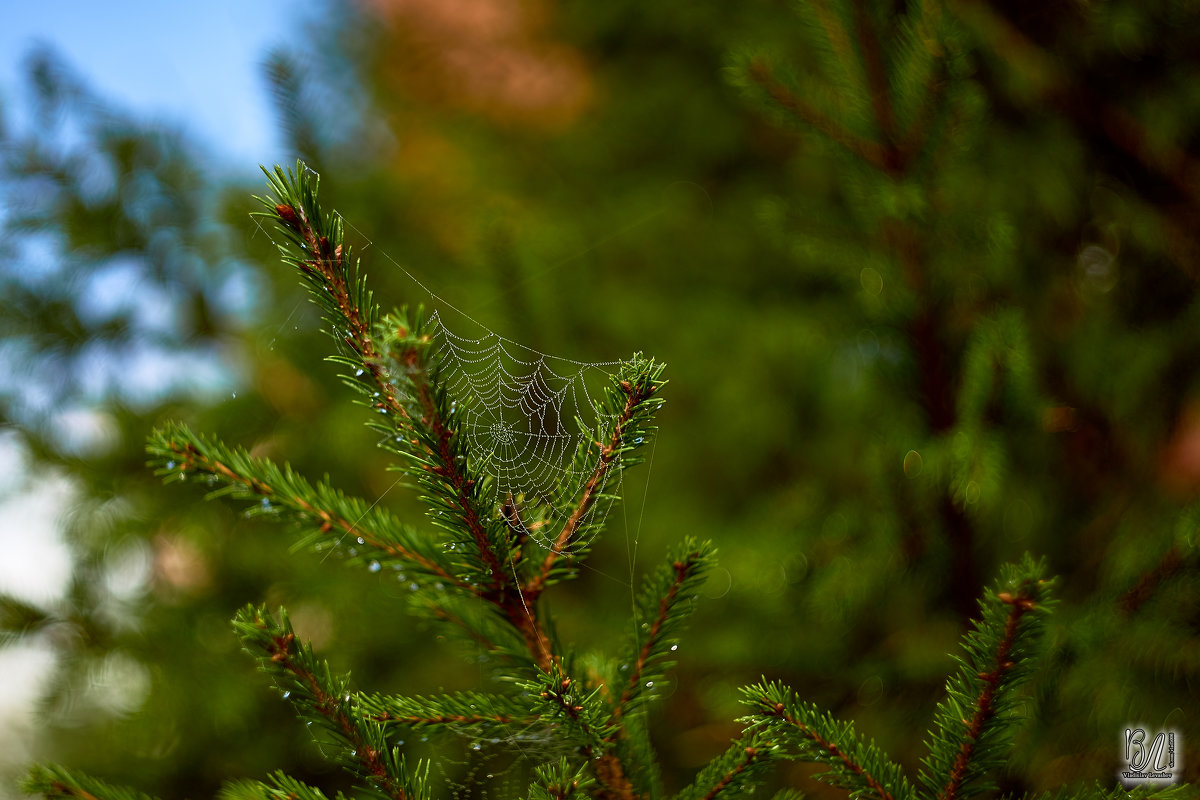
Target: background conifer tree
[
  {"x": 912, "y": 351},
  {"x": 485, "y": 551}
]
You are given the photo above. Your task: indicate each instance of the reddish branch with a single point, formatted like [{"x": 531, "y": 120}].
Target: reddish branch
[
  {"x": 780, "y": 711},
  {"x": 985, "y": 704},
  {"x": 606, "y": 766},
  {"x": 444, "y": 719},
  {"x": 664, "y": 606},
  {"x": 72, "y": 791},
  {"x": 501, "y": 592},
  {"x": 877, "y": 85},
  {"x": 751, "y": 755},
  {"x": 332, "y": 708},
  {"x": 1149, "y": 582},
  {"x": 448, "y": 469},
  {"x": 869, "y": 151},
  {"x": 190, "y": 458},
  {"x": 635, "y": 395},
  {"x": 1048, "y": 81},
  {"x": 327, "y": 261}
]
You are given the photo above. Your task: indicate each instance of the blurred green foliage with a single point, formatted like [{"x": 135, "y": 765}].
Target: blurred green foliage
[{"x": 884, "y": 382}]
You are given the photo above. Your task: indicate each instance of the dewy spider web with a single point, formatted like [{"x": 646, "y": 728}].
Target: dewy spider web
[{"x": 531, "y": 423}]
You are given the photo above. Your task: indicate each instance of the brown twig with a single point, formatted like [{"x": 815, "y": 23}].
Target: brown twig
[
  {"x": 664, "y": 605},
  {"x": 1129, "y": 134},
  {"x": 869, "y": 151},
  {"x": 780, "y": 711},
  {"x": 327, "y": 261},
  {"x": 1150, "y": 581},
  {"x": 191, "y": 459},
  {"x": 635, "y": 395},
  {"x": 837, "y": 37},
  {"x": 504, "y": 592},
  {"x": 71, "y": 791},
  {"x": 878, "y": 86},
  {"x": 447, "y": 719},
  {"x": 752, "y": 754},
  {"x": 985, "y": 703},
  {"x": 332, "y": 708}
]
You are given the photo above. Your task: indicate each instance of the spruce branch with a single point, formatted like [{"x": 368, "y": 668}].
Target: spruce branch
[
  {"x": 365, "y": 532},
  {"x": 428, "y": 439},
  {"x": 878, "y": 84},
  {"x": 1088, "y": 110},
  {"x": 855, "y": 765},
  {"x": 559, "y": 780},
  {"x": 464, "y": 712},
  {"x": 666, "y": 601},
  {"x": 873, "y": 153},
  {"x": 394, "y": 373},
  {"x": 314, "y": 243},
  {"x": 734, "y": 773},
  {"x": 1151, "y": 580},
  {"x": 634, "y": 397},
  {"x": 277, "y": 787},
  {"x": 580, "y": 713},
  {"x": 324, "y": 699},
  {"x": 391, "y": 361},
  {"x": 426, "y": 436},
  {"x": 974, "y": 723},
  {"x": 54, "y": 782},
  {"x": 577, "y": 708},
  {"x": 838, "y": 38}
]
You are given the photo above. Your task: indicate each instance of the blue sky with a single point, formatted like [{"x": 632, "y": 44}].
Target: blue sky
[{"x": 194, "y": 64}]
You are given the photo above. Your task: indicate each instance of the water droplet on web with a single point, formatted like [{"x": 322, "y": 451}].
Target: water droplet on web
[
  {"x": 649, "y": 684},
  {"x": 374, "y": 566},
  {"x": 638, "y": 440},
  {"x": 412, "y": 587},
  {"x": 361, "y": 540},
  {"x": 674, "y": 647},
  {"x": 476, "y": 746},
  {"x": 352, "y": 551},
  {"x": 286, "y": 695},
  {"x": 170, "y": 465},
  {"x": 358, "y": 372},
  {"x": 266, "y": 504},
  {"x": 402, "y": 577},
  {"x": 424, "y": 738},
  {"x": 234, "y": 395},
  {"x": 624, "y": 668}
]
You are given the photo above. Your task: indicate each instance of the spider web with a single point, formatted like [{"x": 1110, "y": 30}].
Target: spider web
[{"x": 532, "y": 422}]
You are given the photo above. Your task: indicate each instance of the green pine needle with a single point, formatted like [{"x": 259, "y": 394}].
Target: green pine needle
[{"x": 53, "y": 782}]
